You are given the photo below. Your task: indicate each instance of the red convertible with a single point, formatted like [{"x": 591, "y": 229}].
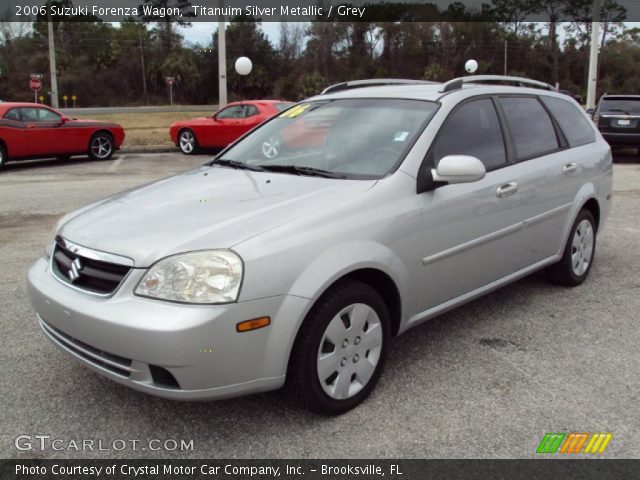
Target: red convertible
[
  {"x": 31, "y": 130},
  {"x": 225, "y": 126}
]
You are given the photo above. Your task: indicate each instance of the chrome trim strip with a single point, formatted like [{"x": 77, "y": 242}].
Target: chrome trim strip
[
  {"x": 94, "y": 254},
  {"x": 472, "y": 295},
  {"x": 73, "y": 346},
  {"x": 622, "y": 116},
  {"x": 495, "y": 235}
]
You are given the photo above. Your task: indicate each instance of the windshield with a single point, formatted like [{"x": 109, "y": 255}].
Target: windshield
[
  {"x": 625, "y": 105},
  {"x": 348, "y": 138}
]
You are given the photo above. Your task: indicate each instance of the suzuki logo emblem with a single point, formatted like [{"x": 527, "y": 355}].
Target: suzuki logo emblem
[{"x": 74, "y": 271}]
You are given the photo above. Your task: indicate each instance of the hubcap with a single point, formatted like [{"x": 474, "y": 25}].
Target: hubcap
[
  {"x": 349, "y": 351},
  {"x": 270, "y": 148},
  {"x": 187, "y": 142},
  {"x": 101, "y": 147},
  {"x": 582, "y": 248}
]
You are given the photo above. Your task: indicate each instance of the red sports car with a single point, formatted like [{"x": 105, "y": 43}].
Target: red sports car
[
  {"x": 31, "y": 130},
  {"x": 226, "y": 125}
]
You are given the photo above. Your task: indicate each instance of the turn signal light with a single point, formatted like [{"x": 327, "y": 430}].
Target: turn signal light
[{"x": 253, "y": 324}]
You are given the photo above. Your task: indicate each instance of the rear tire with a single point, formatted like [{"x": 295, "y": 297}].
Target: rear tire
[
  {"x": 101, "y": 146},
  {"x": 3, "y": 156},
  {"x": 340, "y": 350},
  {"x": 187, "y": 142},
  {"x": 579, "y": 252}
]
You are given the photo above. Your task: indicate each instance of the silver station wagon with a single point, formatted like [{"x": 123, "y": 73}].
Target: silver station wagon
[{"x": 295, "y": 255}]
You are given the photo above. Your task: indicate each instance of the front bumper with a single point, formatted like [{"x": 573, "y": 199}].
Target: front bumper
[{"x": 126, "y": 338}]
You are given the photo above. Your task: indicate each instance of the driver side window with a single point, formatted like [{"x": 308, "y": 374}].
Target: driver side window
[
  {"x": 473, "y": 129},
  {"x": 234, "y": 111}
]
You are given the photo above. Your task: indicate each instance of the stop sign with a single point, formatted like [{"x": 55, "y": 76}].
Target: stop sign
[{"x": 35, "y": 84}]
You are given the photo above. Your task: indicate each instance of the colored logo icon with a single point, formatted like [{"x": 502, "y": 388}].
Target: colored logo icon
[{"x": 590, "y": 443}]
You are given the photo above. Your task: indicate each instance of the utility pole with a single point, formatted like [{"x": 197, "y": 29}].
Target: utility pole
[
  {"x": 222, "y": 65},
  {"x": 144, "y": 75},
  {"x": 592, "y": 81},
  {"x": 52, "y": 63},
  {"x": 506, "y": 46}
]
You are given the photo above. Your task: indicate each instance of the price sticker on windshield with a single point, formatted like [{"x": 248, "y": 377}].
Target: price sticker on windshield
[{"x": 295, "y": 111}]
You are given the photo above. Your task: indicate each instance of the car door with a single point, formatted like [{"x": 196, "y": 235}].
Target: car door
[
  {"x": 548, "y": 169},
  {"x": 12, "y": 132},
  {"x": 44, "y": 133},
  {"x": 472, "y": 231},
  {"x": 226, "y": 126}
]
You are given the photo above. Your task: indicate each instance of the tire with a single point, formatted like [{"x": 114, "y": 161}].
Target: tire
[
  {"x": 346, "y": 336},
  {"x": 101, "y": 146},
  {"x": 579, "y": 252},
  {"x": 187, "y": 142},
  {"x": 3, "y": 156}
]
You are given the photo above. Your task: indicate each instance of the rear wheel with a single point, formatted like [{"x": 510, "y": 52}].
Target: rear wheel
[
  {"x": 3, "y": 156},
  {"x": 187, "y": 142},
  {"x": 579, "y": 252},
  {"x": 340, "y": 350},
  {"x": 101, "y": 146}
]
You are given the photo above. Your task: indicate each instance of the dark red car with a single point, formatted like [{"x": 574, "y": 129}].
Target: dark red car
[
  {"x": 31, "y": 130},
  {"x": 225, "y": 126}
]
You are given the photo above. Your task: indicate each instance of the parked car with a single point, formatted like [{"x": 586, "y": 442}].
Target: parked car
[
  {"x": 224, "y": 126},
  {"x": 618, "y": 119},
  {"x": 575, "y": 96},
  {"x": 31, "y": 130},
  {"x": 257, "y": 271}
]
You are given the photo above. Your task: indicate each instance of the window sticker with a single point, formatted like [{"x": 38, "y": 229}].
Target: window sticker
[{"x": 295, "y": 111}]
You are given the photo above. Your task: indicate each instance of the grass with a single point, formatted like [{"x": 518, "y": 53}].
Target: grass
[{"x": 146, "y": 128}]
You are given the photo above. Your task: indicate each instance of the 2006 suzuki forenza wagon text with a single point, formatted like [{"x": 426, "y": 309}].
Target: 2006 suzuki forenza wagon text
[{"x": 294, "y": 256}]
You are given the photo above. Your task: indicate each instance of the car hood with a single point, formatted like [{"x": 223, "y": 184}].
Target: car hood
[{"x": 211, "y": 207}]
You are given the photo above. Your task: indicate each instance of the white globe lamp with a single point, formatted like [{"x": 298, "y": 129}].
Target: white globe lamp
[
  {"x": 243, "y": 66},
  {"x": 471, "y": 66}
]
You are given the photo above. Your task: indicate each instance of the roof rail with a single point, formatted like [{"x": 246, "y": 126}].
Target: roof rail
[
  {"x": 373, "y": 82},
  {"x": 456, "y": 83}
]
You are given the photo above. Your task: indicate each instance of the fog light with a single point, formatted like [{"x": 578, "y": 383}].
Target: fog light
[{"x": 253, "y": 324}]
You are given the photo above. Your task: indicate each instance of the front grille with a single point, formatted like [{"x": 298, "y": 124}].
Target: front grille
[
  {"x": 109, "y": 361},
  {"x": 87, "y": 273}
]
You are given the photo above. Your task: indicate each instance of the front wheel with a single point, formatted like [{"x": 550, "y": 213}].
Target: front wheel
[
  {"x": 187, "y": 142},
  {"x": 340, "y": 350},
  {"x": 101, "y": 147},
  {"x": 577, "y": 259}
]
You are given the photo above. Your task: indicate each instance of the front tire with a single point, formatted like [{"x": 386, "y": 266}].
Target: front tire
[
  {"x": 101, "y": 146},
  {"x": 339, "y": 353},
  {"x": 187, "y": 142},
  {"x": 579, "y": 252}
]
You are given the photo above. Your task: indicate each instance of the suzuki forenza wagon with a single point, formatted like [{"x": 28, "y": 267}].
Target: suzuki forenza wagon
[{"x": 295, "y": 255}]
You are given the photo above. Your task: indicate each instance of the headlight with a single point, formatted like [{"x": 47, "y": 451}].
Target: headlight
[{"x": 208, "y": 276}]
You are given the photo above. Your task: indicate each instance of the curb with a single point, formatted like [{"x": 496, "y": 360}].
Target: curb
[{"x": 149, "y": 149}]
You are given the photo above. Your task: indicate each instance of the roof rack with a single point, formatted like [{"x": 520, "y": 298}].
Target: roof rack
[
  {"x": 373, "y": 82},
  {"x": 456, "y": 83}
]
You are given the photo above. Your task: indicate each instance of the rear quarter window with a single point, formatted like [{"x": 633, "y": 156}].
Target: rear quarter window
[{"x": 576, "y": 128}]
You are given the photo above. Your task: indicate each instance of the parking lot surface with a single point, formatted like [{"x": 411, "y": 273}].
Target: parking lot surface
[{"x": 486, "y": 380}]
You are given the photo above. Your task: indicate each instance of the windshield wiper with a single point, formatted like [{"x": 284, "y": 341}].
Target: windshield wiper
[
  {"x": 235, "y": 164},
  {"x": 299, "y": 170}
]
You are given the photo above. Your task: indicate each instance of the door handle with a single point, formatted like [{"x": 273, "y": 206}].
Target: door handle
[
  {"x": 570, "y": 168},
  {"x": 506, "y": 190}
]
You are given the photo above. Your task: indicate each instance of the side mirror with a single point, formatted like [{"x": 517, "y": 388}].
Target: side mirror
[
  {"x": 591, "y": 111},
  {"x": 458, "y": 169},
  {"x": 64, "y": 120}
]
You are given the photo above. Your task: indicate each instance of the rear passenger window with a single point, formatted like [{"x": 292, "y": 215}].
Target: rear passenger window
[
  {"x": 575, "y": 127},
  {"x": 13, "y": 114},
  {"x": 473, "y": 129},
  {"x": 530, "y": 125}
]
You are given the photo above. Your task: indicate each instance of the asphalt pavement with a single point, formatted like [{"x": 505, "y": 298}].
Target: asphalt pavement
[{"x": 486, "y": 380}]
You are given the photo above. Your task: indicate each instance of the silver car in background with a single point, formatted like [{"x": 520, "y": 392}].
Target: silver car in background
[{"x": 294, "y": 256}]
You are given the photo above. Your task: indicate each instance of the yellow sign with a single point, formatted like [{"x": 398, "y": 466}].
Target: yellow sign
[
  {"x": 74, "y": 98},
  {"x": 64, "y": 97},
  {"x": 41, "y": 97}
]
